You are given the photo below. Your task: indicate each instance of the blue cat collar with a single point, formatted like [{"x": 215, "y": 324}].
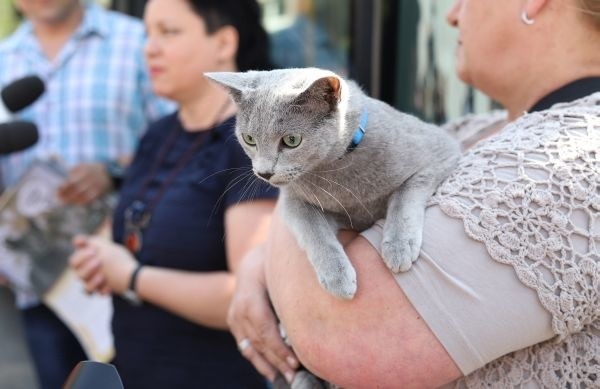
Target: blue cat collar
[{"x": 360, "y": 131}]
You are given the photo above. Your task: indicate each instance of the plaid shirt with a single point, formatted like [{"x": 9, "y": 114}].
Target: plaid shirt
[{"x": 98, "y": 97}]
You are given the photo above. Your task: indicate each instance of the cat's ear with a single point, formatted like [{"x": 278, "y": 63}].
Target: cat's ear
[
  {"x": 322, "y": 95},
  {"x": 235, "y": 83}
]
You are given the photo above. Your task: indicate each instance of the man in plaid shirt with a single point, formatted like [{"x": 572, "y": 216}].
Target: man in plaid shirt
[{"x": 98, "y": 101}]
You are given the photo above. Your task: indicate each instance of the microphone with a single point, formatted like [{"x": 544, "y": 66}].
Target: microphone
[
  {"x": 93, "y": 375},
  {"x": 18, "y": 95},
  {"x": 16, "y": 136}
]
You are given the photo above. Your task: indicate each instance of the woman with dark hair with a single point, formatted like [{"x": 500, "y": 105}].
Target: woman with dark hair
[
  {"x": 187, "y": 212},
  {"x": 253, "y": 46}
]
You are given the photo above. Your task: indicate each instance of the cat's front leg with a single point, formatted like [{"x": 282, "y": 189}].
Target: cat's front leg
[
  {"x": 403, "y": 228},
  {"x": 316, "y": 234}
]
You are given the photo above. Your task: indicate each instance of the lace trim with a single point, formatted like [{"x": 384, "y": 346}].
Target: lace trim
[
  {"x": 574, "y": 363},
  {"x": 531, "y": 194}
]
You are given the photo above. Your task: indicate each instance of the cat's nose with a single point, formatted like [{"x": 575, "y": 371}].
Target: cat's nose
[{"x": 265, "y": 175}]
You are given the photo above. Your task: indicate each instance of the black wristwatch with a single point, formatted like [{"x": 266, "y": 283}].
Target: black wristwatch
[
  {"x": 116, "y": 172},
  {"x": 130, "y": 293}
]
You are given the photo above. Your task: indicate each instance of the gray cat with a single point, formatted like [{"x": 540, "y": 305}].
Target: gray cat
[{"x": 341, "y": 160}]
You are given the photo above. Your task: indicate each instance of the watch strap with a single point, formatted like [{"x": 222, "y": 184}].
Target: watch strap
[
  {"x": 134, "y": 277},
  {"x": 130, "y": 294}
]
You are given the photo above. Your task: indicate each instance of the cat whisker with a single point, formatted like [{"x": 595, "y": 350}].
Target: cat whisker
[
  {"x": 221, "y": 171},
  {"x": 309, "y": 204},
  {"x": 337, "y": 201},
  {"x": 249, "y": 187},
  {"x": 348, "y": 190},
  {"x": 245, "y": 176},
  {"x": 304, "y": 190}
]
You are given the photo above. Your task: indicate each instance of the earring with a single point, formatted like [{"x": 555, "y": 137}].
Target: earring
[{"x": 525, "y": 18}]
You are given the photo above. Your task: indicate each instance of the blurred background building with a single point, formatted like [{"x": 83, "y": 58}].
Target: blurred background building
[
  {"x": 401, "y": 52},
  {"x": 8, "y": 17}
]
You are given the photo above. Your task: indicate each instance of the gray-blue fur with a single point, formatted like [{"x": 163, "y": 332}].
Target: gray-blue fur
[{"x": 324, "y": 187}]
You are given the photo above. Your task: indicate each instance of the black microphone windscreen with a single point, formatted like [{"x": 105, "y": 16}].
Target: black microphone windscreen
[
  {"x": 16, "y": 136},
  {"x": 22, "y": 92},
  {"x": 93, "y": 375}
]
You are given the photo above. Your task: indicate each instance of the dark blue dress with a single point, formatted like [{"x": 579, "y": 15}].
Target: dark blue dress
[{"x": 157, "y": 349}]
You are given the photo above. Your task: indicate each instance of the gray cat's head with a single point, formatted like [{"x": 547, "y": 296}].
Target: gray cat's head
[{"x": 289, "y": 121}]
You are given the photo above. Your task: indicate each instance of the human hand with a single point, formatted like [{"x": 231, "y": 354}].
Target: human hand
[
  {"x": 85, "y": 183},
  {"x": 87, "y": 266},
  {"x": 253, "y": 323},
  {"x": 102, "y": 264}
]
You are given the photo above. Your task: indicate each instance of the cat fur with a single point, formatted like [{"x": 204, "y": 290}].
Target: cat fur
[{"x": 325, "y": 186}]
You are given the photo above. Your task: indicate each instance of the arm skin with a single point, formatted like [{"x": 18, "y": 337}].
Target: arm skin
[
  {"x": 251, "y": 317},
  {"x": 200, "y": 297},
  {"x": 375, "y": 340}
]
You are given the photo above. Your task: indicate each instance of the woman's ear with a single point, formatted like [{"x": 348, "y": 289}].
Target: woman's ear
[
  {"x": 532, "y": 8},
  {"x": 227, "y": 44}
]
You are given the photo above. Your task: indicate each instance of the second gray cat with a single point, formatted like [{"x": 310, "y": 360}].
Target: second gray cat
[{"x": 341, "y": 160}]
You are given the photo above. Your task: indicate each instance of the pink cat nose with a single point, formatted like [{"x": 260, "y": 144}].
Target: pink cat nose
[{"x": 265, "y": 175}]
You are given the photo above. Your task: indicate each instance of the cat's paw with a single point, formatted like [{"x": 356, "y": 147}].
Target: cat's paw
[
  {"x": 340, "y": 279},
  {"x": 400, "y": 253}
]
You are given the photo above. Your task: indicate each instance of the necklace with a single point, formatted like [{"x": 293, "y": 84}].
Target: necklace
[{"x": 138, "y": 214}]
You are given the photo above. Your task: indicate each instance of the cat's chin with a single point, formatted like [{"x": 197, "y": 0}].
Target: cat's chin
[{"x": 278, "y": 184}]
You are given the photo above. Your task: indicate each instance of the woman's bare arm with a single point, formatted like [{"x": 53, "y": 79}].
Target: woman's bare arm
[
  {"x": 375, "y": 340},
  {"x": 201, "y": 297}
]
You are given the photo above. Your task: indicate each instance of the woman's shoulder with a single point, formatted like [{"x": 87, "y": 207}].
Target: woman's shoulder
[
  {"x": 159, "y": 127},
  {"x": 225, "y": 138},
  {"x": 537, "y": 174},
  {"x": 468, "y": 126},
  {"x": 471, "y": 129},
  {"x": 226, "y": 128},
  {"x": 590, "y": 103},
  {"x": 562, "y": 117},
  {"x": 156, "y": 134},
  {"x": 538, "y": 131}
]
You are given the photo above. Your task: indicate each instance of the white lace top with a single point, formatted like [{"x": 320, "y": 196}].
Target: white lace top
[{"x": 531, "y": 195}]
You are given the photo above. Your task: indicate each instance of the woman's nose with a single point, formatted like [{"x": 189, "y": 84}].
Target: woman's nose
[
  {"x": 151, "y": 46},
  {"x": 452, "y": 15}
]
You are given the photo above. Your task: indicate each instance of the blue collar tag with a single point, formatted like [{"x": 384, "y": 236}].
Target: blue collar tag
[{"x": 360, "y": 131}]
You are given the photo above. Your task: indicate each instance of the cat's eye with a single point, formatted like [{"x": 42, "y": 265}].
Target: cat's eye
[
  {"x": 292, "y": 140},
  {"x": 249, "y": 139}
]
